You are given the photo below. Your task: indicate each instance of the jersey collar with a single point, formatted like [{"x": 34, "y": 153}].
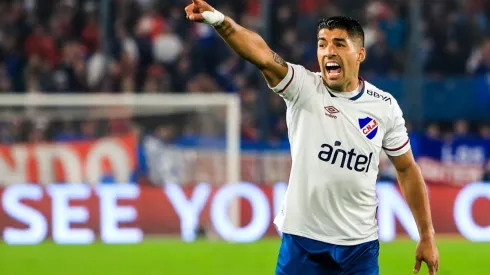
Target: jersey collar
[{"x": 356, "y": 97}]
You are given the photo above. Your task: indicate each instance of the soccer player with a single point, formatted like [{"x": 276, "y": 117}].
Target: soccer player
[{"x": 338, "y": 125}]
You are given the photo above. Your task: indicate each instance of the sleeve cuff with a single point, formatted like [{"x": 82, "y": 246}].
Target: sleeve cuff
[
  {"x": 398, "y": 151},
  {"x": 285, "y": 82}
]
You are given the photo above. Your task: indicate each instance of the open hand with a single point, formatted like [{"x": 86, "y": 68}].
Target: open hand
[
  {"x": 194, "y": 11},
  {"x": 427, "y": 252}
]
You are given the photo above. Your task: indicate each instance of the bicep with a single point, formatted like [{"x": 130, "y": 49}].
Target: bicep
[
  {"x": 403, "y": 162},
  {"x": 275, "y": 69},
  {"x": 408, "y": 172}
]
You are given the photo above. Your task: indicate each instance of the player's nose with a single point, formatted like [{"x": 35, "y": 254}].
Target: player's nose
[
  {"x": 330, "y": 51},
  {"x": 331, "y": 56}
]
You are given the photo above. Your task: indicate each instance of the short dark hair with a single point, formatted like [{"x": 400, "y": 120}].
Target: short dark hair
[{"x": 352, "y": 26}]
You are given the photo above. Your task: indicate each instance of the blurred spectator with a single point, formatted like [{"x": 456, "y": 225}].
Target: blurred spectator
[
  {"x": 393, "y": 26},
  {"x": 67, "y": 132},
  {"x": 479, "y": 62},
  {"x": 250, "y": 132},
  {"x": 461, "y": 128},
  {"x": 167, "y": 46},
  {"x": 379, "y": 60},
  {"x": 88, "y": 130},
  {"x": 157, "y": 80},
  {"x": 484, "y": 132},
  {"x": 38, "y": 130},
  {"x": 90, "y": 34},
  {"x": 41, "y": 45},
  {"x": 371, "y": 32},
  {"x": 433, "y": 131}
]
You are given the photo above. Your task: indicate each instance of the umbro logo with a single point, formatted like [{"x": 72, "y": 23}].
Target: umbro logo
[{"x": 331, "y": 111}]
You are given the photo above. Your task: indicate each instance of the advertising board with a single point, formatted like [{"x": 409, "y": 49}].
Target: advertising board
[{"x": 127, "y": 213}]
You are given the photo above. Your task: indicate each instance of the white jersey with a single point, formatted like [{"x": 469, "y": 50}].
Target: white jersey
[{"x": 336, "y": 144}]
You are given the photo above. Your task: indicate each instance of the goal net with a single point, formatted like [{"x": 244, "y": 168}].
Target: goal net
[{"x": 153, "y": 139}]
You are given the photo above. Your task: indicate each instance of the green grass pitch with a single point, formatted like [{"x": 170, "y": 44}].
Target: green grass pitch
[{"x": 173, "y": 257}]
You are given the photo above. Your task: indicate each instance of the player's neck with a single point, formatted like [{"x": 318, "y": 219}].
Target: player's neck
[{"x": 352, "y": 86}]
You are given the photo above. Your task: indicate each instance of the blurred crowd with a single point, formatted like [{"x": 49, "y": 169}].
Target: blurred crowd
[{"x": 55, "y": 46}]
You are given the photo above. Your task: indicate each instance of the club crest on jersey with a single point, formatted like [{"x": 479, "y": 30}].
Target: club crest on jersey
[{"x": 369, "y": 127}]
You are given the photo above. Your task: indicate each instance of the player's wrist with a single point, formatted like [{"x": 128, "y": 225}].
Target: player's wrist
[
  {"x": 213, "y": 18},
  {"x": 427, "y": 235}
]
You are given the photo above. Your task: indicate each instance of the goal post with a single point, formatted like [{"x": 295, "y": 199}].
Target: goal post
[
  {"x": 194, "y": 108},
  {"x": 176, "y": 102}
]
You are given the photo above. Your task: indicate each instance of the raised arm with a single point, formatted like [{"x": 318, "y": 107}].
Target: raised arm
[{"x": 246, "y": 43}]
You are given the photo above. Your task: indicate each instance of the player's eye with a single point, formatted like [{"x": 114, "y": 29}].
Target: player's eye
[
  {"x": 340, "y": 45},
  {"x": 321, "y": 46}
]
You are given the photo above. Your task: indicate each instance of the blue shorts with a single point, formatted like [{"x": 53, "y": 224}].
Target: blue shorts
[{"x": 299, "y": 255}]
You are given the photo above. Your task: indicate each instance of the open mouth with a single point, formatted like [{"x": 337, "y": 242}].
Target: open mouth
[{"x": 333, "y": 70}]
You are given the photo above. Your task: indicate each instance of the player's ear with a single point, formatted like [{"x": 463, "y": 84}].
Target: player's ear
[{"x": 361, "y": 55}]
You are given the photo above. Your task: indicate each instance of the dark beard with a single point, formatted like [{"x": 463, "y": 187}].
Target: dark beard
[{"x": 336, "y": 88}]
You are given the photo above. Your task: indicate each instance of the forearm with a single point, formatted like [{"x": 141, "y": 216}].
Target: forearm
[
  {"x": 415, "y": 192},
  {"x": 248, "y": 44}
]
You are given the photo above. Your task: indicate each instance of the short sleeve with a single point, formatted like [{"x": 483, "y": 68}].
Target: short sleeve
[
  {"x": 396, "y": 141},
  {"x": 291, "y": 84}
]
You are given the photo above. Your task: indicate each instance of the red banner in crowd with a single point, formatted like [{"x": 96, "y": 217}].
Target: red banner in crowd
[
  {"x": 84, "y": 161},
  {"x": 126, "y": 213}
]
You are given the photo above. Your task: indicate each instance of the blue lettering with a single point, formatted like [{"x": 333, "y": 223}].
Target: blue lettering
[
  {"x": 325, "y": 155},
  {"x": 351, "y": 155},
  {"x": 343, "y": 157},
  {"x": 350, "y": 159},
  {"x": 360, "y": 161},
  {"x": 377, "y": 95}
]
